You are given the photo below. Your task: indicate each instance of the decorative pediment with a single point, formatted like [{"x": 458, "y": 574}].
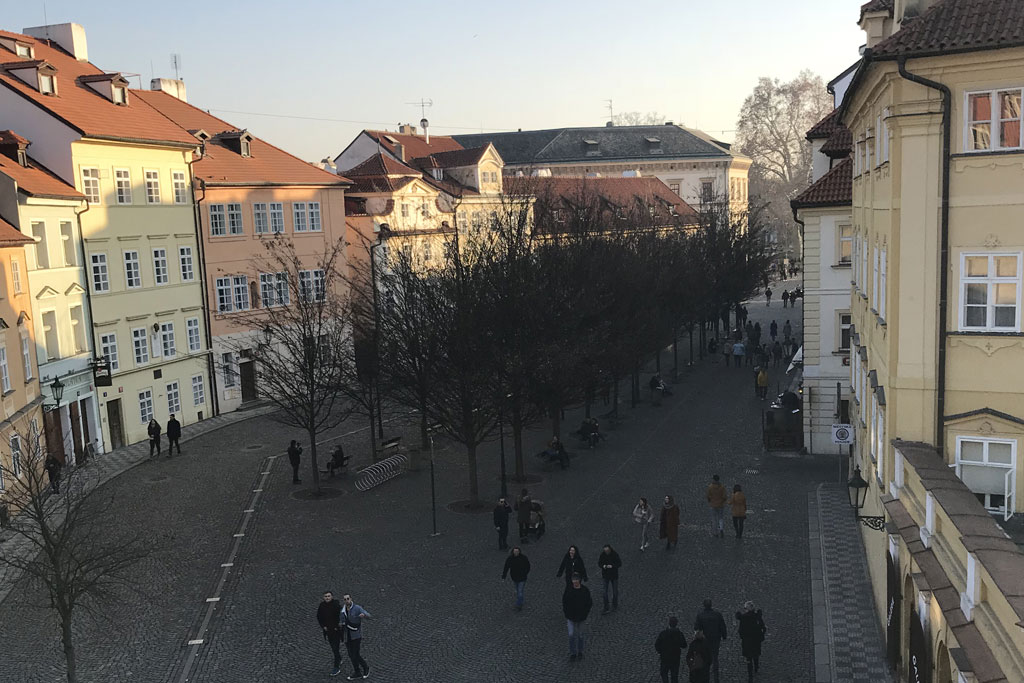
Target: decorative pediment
[
  {"x": 75, "y": 288},
  {"x": 23, "y": 318},
  {"x": 985, "y": 421},
  {"x": 47, "y": 292},
  {"x": 4, "y": 325}
]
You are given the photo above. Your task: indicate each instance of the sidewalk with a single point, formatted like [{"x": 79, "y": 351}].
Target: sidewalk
[{"x": 106, "y": 466}]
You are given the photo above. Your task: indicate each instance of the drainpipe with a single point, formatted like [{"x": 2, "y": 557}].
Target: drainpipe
[
  {"x": 88, "y": 304},
  {"x": 947, "y": 126},
  {"x": 803, "y": 328},
  {"x": 197, "y": 219}
]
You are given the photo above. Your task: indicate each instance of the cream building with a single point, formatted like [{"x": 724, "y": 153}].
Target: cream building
[
  {"x": 46, "y": 209},
  {"x": 132, "y": 165},
  {"x": 938, "y": 271}
]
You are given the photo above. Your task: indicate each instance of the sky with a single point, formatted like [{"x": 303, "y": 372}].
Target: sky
[{"x": 308, "y": 75}]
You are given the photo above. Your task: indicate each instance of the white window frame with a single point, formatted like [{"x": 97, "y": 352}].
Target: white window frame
[
  {"x": 311, "y": 281},
  {"x": 91, "y": 184},
  {"x": 236, "y": 223},
  {"x": 26, "y": 356},
  {"x": 315, "y": 222},
  {"x": 173, "y": 398},
  {"x": 240, "y": 292},
  {"x": 16, "y": 275},
  {"x": 161, "y": 271},
  {"x": 841, "y": 240},
  {"x": 881, "y": 283},
  {"x": 167, "y": 346},
  {"x": 990, "y": 280},
  {"x": 885, "y": 135},
  {"x": 1008, "y": 502},
  {"x": 152, "y": 177},
  {"x": 132, "y": 269},
  {"x": 123, "y": 185},
  {"x": 108, "y": 349},
  {"x": 225, "y": 297},
  {"x": 5, "y": 372},
  {"x": 179, "y": 182},
  {"x": 864, "y": 264},
  {"x": 229, "y": 365},
  {"x": 15, "y": 444},
  {"x": 198, "y": 390},
  {"x": 100, "y": 272},
  {"x": 874, "y": 281},
  {"x": 276, "y": 218},
  {"x": 218, "y": 220},
  {"x": 994, "y": 121},
  {"x": 186, "y": 264},
  {"x": 300, "y": 222},
  {"x": 844, "y": 326},
  {"x": 140, "y": 345},
  {"x": 193, "y": 334},
  {"x": 146, "y": 405},
  {"x": 880, "y": 446},
  {"x": 260, "y": 218},
  {"x": 274, "y": 289}
]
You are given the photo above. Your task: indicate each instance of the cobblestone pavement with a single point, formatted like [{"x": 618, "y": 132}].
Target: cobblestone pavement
[{"x": 440, "y": 610}]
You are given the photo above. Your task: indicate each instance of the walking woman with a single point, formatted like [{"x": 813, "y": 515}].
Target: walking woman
[
  {"x": 669, "y": 528},
  {"x": 572, "y": 563},
  {"x": 643, "y": 515},
  {"x": 738, "y": 506},
  {"x": 752, "y": 631}
]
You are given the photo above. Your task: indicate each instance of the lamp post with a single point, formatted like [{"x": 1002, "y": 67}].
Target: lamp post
[
  {"x": 858, "y": 490},
  {"x": 384, "y": 233},
  {"x": 501, "y": 441},
  {"x": 433, "y": 488},
  {"x": 57, "y": 390}
]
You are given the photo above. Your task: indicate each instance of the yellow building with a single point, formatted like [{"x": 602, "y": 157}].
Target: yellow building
[
  {"x": 141, "y": 252},
  {"x": 938, "y": 265}
]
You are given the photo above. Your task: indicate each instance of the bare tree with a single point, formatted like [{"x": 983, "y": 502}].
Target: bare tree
[
  {"x": 636, "y": 118},
  {"x": 299, "y": 333},
  {"x": 68, "y": 546}
]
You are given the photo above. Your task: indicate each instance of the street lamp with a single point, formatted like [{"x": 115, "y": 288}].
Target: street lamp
[
  {"x": 57, "y": 390},
  {"x": 433, "y": 488},
  {"x": 501, "y": 440},
  {"x": 858, "y": 489}
]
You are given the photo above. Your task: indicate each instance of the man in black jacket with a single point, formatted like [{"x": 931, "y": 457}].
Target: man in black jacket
[
  {"x": 576, "y": 605},
  {"x": 328, "y": 615},
  {"x": 609, "y": 563},
  {"x": 502, "y": 512},
  {"x": 518, "y": 566},
  {"x": 295, "y": 457},
  {"x": 173, "y": 434},
  {"x": 524, "y": 506},
  {"x": 712, "y": 623},
  {"x": 670, "y": 645}
]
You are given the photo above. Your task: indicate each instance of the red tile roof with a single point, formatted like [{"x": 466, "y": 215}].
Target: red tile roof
[
  {"x": 221, "y": 165},
  {"x": 10, "y": 236},
  {"x": 823, "y": 129},
  {"x": 618, "y": 191},
  {"x": 835, "y": 188},
  {"x": 957, "y": 26},
  {"x": 839, "y": 144},
  {"x": 876, "y": 6},
  {"x": 85, "y": 110},
  {"x": 414, "y": 145},
  {"x": 381, "y": 164},
  {"x": 378, "y": 183},
  {"x": 9, "y": 137},
  {"x": 452, "y": 158},
  {"x": 36, "y": 180}
]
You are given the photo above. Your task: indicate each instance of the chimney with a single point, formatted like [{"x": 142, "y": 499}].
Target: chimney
[
  {"x": 70, "y": 37},
  {"x": 172, "y": 86},
  {"x": 406, "y": 129},
  {"x": 400, "y": 151},
  {"x": 424, "y": 124},
  {"x": 610, "y": 124}
]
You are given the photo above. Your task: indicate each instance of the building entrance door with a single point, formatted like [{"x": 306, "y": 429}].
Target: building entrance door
[
  {"x": 54, "y": 434},
  {"x": 247, "y": 373},
  {"x": 115, "y": 423}
]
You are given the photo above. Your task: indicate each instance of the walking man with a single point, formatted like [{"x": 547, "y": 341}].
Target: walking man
[
  {"x": 698, "y": 658},
  {"x": 609, "y": 563},
  {"x": 752, "y": 631},
  {"x": 670, "y": 645},
  {"x": 328, "y": 614},
  {"x": 518, "y": 566},
  {"x": 768, "y": 296},
  {"x": 762, "y": 383},
  {"x": 738, "y": 503},
  {"x": 524, "y": 506},
  {"x": 154, "y": 436},
  {"x": 787, "y": 331},
  {"x": 773, "y": 330},
  {"x": 295, "y": 457},
  {"x": 53, "y": 467},
  {"x": 669, "y": 528},
  {"x": 502, "y": 512},
  {"x": 352, "y": 615},
  {"x": 173, "y": 434},
  {"x": 717, "y": 496},
  {"x": 712, "y": 624},
  {"x": 576, "y": 605},
  {"x": 785, "y": 297},
  {"x": 737, "y": 353}
]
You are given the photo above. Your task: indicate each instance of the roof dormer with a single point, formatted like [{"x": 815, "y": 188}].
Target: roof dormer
[
  {"x": 14, "y": 147},
  {"x": 591, "y": 147},
  {"x": 238, "y": 141},
  {"x": 200, "y": 134},
  {"x": 18, "y": 47},
  {"x": 36, "y": 73},
  {"x": 113, "y": 86},
  {"x": 653, "y": 144}
]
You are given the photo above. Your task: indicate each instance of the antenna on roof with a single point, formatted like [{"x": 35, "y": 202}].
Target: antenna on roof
[
  {"x": 611, "y": 112},
  {"x": 423, "y": 104},
  {"x": 176, "y": 64}
]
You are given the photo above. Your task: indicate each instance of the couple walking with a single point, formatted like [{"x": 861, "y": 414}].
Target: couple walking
[
  {"x": 703, "y": 650},
  {"x": 717, "y": 500},
  {"x": 668, "y": 527},
  {"x": 344, "y": 623}
]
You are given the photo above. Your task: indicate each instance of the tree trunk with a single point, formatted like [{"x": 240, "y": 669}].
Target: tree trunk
[
  {"x": 69, "y": 648},
  {"x": 373, "y": 434},
  {"x": 311, "y": 432},
  {"x": 424, "y": 425},
  {"x": 517, "y": 440},
  {"x": 474, "y": 484}
]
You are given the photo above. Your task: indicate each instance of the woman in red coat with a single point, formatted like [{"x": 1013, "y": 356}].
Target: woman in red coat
[{"x": 669, "y": 528}]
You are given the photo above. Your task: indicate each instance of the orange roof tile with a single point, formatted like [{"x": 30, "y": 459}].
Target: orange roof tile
[
  {"x": 35, "y": 179},
  {"x": 825, "y": 127},
  {"x": 835, "y": 188},
  {"x": 452, "y": 158},
  {"x": 381, "y": 164},
  {"x": 414, "y": 145},
  {"x": 10, "y": 236},
  {"x": 85, "y": 110},
  {"x": 618, "y": 191},
  {"x": 951, "y": 26},
  {"x": 220, "y": 165}
]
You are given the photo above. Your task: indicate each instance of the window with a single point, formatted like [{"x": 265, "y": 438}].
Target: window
[
  {"x": 874, "y": 282},
  {"x": 195, "y": 341},
  {"x": 276, "y": 217},
  {"x": 46, "y": 84},
  {"x": 167, "y": 339},
  {"x": 230, "y": 365},
  {"x": 426, "y": 252},
  {"x": 235, "y": 226},
  {"x": 878, "y": 140},
  {"x": 26, "y": 357},
  {"x": 160, "y": 274},
  {"x": 274, "y": 289},
  {"x": 993, "y": 120},
  {"x": 873, "y": 427},
  {"x": 864, "y": 264},
  {"x": 5, "y": 375},
  {"x": 108, "y": 349},
  {"x": 77, "y": 315},
  {"x": 311, "y": 284},
  {"x": 881, "y": 284},
  {"x": 707, "y": 191},
  {"x": 198, "y": 390},
  {"x": 180, "y": 185},
  {"x": 845, "y": 244},
  {"x": 844, "y": 331},
  {"x": 885, "y": 135},
  {"x": 240, "y": 284},
  {"x": 16, "y": 275},
  {"x": 188, "y": 273},
  {"x": 123, "y": 184},
  {"x": 153, "y": 187},
  {"x": 299, "y": 216},
  {"x": 988, "y": 468},
  {"x": 460, "y": 219},
  {"x": 132, "y": 270},
  {"x": 23, "y": 51},
  {"x": 100, "y": 275},
  {"x": 260, "y": 219},
  {"x": 41, "y": 253},
  {"x": 990, "y": 292},
  {"x": 405, "y": 210},
  {"x": 173, "y": 398},
  {"x": 218, "y": 223},
  {"x": 880, "y": 445},
  {"x": 51, "y": 339},
  {"x": 146, "y": 405},
  {"x": 224, "y": 300},
  {"x": 314, "y": 217},
  {"x": 91, "y": 184},
  {"x": 140, "y": 345},
  {"x": 674, "y": 187},
  {"x": 16, "y": 455},
  {"x": 120, "y": 95},
  {"x": 67, "y": 238}
]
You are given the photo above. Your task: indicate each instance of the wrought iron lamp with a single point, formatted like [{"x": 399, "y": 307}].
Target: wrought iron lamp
[{"x": 858, "y": 489}]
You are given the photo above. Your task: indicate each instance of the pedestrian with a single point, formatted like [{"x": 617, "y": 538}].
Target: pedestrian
[
  {"x": 173, "y": 434},
  {"x": 669, "y": 527},
  {"x": 726, "y": 353},
  {"x": 712, "y": 624},
  {"x": 768, "y": 296},
  {"x": 716, "y": 501},
  {"x": 572, "y": 563},
  {"x": 154, "y": 436},
  {"x": 576, "y": 606},
  {"x": 53, "y": 467},
  {"x": 738, "y": 507},
  {"x": 328, "y": 615},
  {"x": 352, "y": 616},
  {"x": 737, "y": 353},
  {"x": 748, "y": 329},
  {"x": 787, "y": 331},
  {"x": 752, "y": 631},
  {"x": 698, "y": 658},
  {"x": 670, "y": 645},
  {"x": 502, "y": 513},
  {"x": 745, "y": 313},
  {"x": 524, "y": 506},
  {"x": 609, "y": 563},
  {"x": 756, "y": 337},
  {"x": 777, "y": 353},
  {"x": 518, "y": 566},
  {"x": 748, "y": 351},
  {"x": 785, "y": 297},
  {"x": 295, "y": 457},
  {"x": 762, "y": 383},
  {"x": 643, "y": 515},
  {"x": 773, "y": 330}
]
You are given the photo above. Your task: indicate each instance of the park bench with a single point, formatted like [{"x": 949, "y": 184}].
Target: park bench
[{"x": 388, "y": 447}]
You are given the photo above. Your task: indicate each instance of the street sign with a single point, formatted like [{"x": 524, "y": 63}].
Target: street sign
[{"x": 842, "y": 434}]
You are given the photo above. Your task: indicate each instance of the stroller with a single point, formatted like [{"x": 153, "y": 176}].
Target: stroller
[{"x": 537, "y": 525}]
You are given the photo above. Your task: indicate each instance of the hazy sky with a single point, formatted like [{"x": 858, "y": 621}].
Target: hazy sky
[{"x": 349, "y": 65}]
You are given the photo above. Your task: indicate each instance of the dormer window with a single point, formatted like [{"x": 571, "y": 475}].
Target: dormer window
[
  {"x": 653, "y": 144},
  {"x": 244, "y": 147},
  {"x": 591, "y": 147},
  {"x": 47, "y": 84},
  {"x": 120, "y": 95},
  {"x": 112, "y": 86},
  {"x": 437, "y": 173},
  {"x": 23, "y": 50}
]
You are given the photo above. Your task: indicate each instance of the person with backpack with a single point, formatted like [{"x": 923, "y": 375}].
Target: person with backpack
[
  {"x": 698, "y": 659},
  {"x": 710, "y": 622},
  {"x": 670, "y": 645},
  {"x": 752, "y": 632}
]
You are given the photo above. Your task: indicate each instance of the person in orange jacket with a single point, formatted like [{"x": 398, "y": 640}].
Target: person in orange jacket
[
  {"x": 717, "y": 497},
  {"x": 738, "y": 504}
]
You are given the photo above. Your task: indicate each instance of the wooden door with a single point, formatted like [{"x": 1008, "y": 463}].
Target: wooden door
[{"x": 115, "y": 423}]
